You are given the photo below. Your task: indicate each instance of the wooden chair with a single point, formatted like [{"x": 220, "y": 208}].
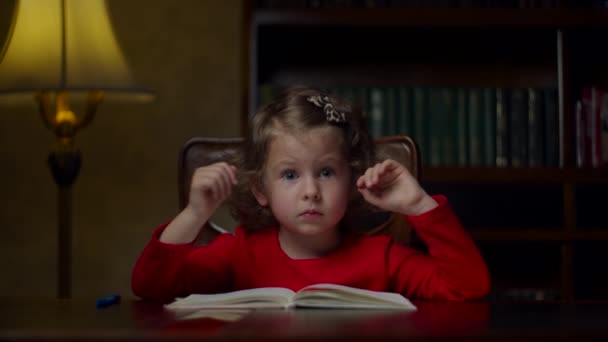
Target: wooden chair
[{"x": 201, "y": 151}]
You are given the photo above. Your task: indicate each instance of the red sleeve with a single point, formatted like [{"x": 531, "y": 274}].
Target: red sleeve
[
  {"x": 453, "y": 269},
  {"x": 164, "y": 271}
]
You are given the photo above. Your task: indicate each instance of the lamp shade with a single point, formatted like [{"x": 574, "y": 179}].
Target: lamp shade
[{"x": 57, "y": 45}]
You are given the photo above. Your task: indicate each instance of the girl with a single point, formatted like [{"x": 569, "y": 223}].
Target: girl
[{"x": 306, "y": 164}]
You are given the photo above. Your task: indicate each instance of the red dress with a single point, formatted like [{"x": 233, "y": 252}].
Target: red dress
[{"x": 453, "y": 269}]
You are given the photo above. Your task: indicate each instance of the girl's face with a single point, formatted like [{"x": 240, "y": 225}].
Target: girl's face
[{"x": 306, "y": 182}]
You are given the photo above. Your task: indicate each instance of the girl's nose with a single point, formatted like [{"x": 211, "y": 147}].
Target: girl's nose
[{"x": 311, "y": 190}]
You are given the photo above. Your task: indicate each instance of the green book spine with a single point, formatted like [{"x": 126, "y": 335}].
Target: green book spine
[
  {"x": 449, "y": 122},
  {"x": 502, "y": 128},
  {"x": 436, "y": 127},
  {"x": 535, "y": 128},
  {"x": 462, "y": 127},
  {"x": 518, "y": 137},
  {"x": 421, "y": 111},
  {"x": 488, "y": 127},
  {"x": 405, "y": 113},
  {"x": 390, "y": 111},
  {"x": 361, "y": 99},
  {"x": 475, "y": 127},
  {"x": 552, "y": 158}
]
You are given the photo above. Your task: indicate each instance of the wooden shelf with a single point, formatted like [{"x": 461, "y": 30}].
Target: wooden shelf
[
  {"x": 434, "y": 17},
  {"x": 538, "y": 211},
  {"x": 539, "y": 235},
  {"x": 514, "y": 175}
]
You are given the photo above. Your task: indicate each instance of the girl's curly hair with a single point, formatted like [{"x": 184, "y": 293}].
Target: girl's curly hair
[{"x": 293, "y": 111}]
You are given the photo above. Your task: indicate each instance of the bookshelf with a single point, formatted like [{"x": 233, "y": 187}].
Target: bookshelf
[{"x": 541, "y": 227}]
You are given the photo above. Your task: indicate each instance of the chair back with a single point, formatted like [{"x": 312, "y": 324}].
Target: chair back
[{"x": 202, "y": 151}]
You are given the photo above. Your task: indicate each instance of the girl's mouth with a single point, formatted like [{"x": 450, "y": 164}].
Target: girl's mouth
[{"x": 310, "y": 214}]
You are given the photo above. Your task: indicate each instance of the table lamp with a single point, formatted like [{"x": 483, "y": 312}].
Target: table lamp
[{"x": 56, "y": 48}]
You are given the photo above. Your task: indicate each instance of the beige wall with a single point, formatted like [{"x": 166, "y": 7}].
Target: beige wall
[{"x": 188, "y": 52}]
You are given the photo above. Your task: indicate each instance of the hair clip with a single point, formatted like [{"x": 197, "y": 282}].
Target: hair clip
[{"x": 331, "y": 114}]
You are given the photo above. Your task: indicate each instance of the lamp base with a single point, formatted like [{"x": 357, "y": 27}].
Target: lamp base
[{"x": 64, "y": 162}]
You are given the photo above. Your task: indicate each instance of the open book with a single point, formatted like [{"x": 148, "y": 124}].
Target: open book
[{"x": 313, "y": 296}]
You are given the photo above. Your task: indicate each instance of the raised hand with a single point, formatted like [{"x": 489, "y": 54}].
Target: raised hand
[
  {"x": 210, "y": 187},
  {"x": 390, "y": 186}
]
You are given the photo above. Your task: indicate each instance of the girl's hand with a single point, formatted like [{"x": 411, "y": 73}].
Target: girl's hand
[
  {"x": 211, "y": 185},
  {"x": 391, "y": 187}
]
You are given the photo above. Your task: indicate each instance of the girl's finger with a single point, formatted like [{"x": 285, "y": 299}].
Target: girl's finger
[
  {"x": 205, "y": 185},
  {"x": 233, "y": 175},
  {"x": 368, "y": 178},
  {"x": 369, "y": 195},
  {"x": 374, "y": 176},
  {"x": 226, "y": 180},
  {"x": 386, "y": 167},
  {"x": 361, "y": 182}
]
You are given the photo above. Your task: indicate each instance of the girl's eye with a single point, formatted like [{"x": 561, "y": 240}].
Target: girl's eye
[
  {"x": 289, "y": 175},
  {"x": 327, "y": 173}
]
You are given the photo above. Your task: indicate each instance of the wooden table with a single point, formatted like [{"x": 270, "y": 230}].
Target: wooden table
[{"x": 78, "y": 319}]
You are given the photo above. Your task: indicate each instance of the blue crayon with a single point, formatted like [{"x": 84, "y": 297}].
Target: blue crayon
[{"x": 107, "y": 301}]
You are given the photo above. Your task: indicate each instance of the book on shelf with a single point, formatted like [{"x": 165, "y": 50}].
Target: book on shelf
[
  {"x": 552, "y": 128},
  {"x": 313, "y": 296},
  {"x": 449, "y": 139},
  {"x": 502, "y": 128},
  {"x": 436, "y": 122},
  {"x": 390, "y": 111},
  {"x": 462, "y": 142},
  {"x": 475, "y": 127},
  {"x": 592, "y": 128},
  {"x": 405, "y": 111},
  {"x": 518, "y": 124},
  {"x": 488, "y": 126},
  {"x": 421, "y": 128},
  {"x": 535, "y": 128}
]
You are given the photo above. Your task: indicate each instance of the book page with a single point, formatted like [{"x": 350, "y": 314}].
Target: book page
[
  {"x": 226, "y": 315},
  {"x": 267, "y": 297},
  {"x": 331, "y": 295}
]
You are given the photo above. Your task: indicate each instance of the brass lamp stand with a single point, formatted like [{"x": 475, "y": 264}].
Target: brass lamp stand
[
  {"x": 54, "y": 47},
  {"x": 64, "y": 161}
]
